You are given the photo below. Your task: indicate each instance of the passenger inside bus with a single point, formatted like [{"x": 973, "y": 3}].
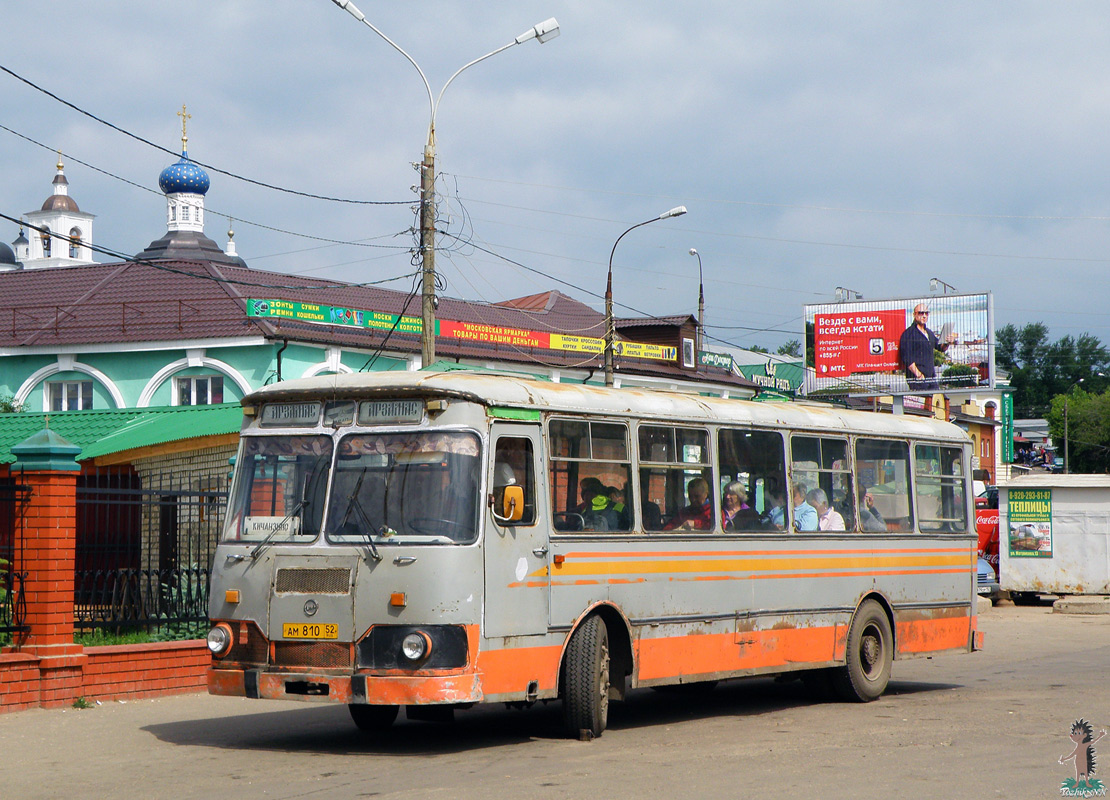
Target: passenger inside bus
[
  {"x": 870, "y": 517},
  {"x": 736, "y": 514},
  {"x": 828, "y": 518},
  {"x": 805, "y": 515},
  {"x": 698, "y": 516},
  {"x": 596, "y": 508},
  {"x": 774, "y": 518},
  {"x": 622, "y": 509}
]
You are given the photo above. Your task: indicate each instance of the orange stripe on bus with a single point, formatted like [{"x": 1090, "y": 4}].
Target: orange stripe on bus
[
  {"x": 511, "y": 670},
  {"x": 726, "y": 652},
  {"x": 859, "y": 561},
  {"x": 933, "y": 635},
  {"x": 783, "y": 551},
  {"x": 771, "y": 576}
]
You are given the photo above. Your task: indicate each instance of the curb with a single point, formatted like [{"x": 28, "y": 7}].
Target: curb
[{"x": 1089, "y": 604}]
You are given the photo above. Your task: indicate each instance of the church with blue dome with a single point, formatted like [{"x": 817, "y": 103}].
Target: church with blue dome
[{"x": 185, "y": 184}]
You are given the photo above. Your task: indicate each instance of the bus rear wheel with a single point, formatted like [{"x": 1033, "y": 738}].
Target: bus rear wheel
[
  {"x": 372, "y": 719},
  {"x": 586, "y": 679},
  {"x": 870, "y": 653}
]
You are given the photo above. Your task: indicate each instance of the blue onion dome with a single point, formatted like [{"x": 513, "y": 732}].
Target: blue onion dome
[{"x": 184, "y": 176}]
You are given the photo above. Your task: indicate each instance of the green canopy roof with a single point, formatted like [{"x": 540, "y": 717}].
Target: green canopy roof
[{"x": 100, "y": 433}]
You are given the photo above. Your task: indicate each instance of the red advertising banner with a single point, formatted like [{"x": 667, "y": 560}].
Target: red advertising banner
[
  {"x": 496, "y": 334},
  {"x": 857, "y": 341},
  {"x": 852, "y": 347}
]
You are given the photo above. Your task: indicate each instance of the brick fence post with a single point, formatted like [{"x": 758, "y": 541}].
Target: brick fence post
[{"x": 46, "y": 554}]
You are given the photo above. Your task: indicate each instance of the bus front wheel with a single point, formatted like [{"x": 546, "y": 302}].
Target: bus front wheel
[
  {"x": 870, "y": 652},
  {"x": 586, "y": 679},
  {"x": 372, "y": 719}
]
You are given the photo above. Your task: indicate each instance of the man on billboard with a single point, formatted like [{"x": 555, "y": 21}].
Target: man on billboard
[{"x": 915, "y": 350}]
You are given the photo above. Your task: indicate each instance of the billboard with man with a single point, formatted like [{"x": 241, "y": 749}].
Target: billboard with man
[{"x": 917, "y": 345}]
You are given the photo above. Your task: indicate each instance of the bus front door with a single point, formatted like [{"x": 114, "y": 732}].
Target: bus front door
[{"x": 516, "y": 552}]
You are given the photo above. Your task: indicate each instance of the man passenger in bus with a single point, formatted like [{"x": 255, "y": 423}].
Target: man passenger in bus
[
  {"x": 620, "y": 508},
  {"x": 805, "y": 515},
  {"x": 698, "y": 516},
  {"x": 736, "y": 514},
  {"x": 774, "y": 518},
  {"x": 869, "y": 515},
  {"x": 596, "y": 508},
  {"x": 828, "y": 519}
]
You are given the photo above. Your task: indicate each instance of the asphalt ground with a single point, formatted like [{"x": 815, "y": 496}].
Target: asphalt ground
[{"x": 989, "y": 724}]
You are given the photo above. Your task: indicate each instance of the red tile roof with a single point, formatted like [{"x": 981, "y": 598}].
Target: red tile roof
[{"x": 168, "y": 300}]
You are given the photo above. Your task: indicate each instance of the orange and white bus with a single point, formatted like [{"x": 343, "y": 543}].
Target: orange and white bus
[{"x": 433, "y": 540}]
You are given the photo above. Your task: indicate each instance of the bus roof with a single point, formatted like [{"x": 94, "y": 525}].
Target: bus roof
[{"x": 521, "y": 391}]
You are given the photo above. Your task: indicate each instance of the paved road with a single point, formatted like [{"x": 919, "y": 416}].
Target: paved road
[{"x": 987, "y": 725}]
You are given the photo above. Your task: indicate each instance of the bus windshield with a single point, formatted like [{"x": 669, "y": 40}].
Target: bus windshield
[
  {"x": 279, "y": 491},
  {"x": 405, "y": 487}
]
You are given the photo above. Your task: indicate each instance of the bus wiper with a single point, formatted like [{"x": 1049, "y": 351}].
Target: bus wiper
[
  {"x": 355, "y": 505},
  {"x": 258, "y": 548},
  {"x": 370, "y": 529}
]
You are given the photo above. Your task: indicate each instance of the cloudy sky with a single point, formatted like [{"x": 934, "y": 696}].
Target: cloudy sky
[{"x": 865, "y": 145}]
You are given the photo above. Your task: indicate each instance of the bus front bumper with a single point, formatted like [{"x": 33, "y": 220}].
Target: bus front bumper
[{"x": 400, "y": 690}]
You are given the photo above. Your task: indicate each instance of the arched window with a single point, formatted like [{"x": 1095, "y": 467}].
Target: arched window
[
  {"x": 45, "y": 242},
  {"x": 173, "y": 212},
  {"x": 75, "y": 243}
]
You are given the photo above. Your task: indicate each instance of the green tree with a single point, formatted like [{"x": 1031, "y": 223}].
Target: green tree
[
  {"x": 1083, "y": 420},
  {"x": 8, "y": 405},
  {"x": 1039, "y": 369},
  {"x": 757, "y": 349},
  {"x": 792, "y": 348}
]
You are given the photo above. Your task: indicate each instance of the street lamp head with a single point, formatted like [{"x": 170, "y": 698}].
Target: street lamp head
[
  {"x": 350, "y": 8},
  {"x": 677, "y": 211},
  {"x": 543, "y": 32},
  {"x": 693, "y": 251}
]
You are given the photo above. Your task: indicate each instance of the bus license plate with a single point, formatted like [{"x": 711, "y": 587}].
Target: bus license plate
[{"x": 309, "y": 630}]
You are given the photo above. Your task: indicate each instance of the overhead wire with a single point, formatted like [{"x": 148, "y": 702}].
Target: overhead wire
[
  {"x": 211, "y": 167},
  {"x": 166, "y": 268},
  {"x": 215, "y": 211}
]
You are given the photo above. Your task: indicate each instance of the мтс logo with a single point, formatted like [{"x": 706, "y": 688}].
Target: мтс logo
[{"x": 1083, "y": 757}]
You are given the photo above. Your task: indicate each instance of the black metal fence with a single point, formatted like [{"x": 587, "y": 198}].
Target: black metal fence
[
  {"x": 144, "y": 545},
  {"x": 13, "y": 603}
]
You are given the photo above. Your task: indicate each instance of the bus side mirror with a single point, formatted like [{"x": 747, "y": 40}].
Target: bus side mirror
[{"x": 512, "y": 505}]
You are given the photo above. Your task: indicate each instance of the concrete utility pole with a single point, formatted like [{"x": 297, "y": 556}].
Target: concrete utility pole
[{"x": 543, "y": 32}]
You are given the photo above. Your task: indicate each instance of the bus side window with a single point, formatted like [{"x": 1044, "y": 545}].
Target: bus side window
[
  {"x": 883, "y": 472},
  {"x": 757, "y": 461},
  {"x": 941, "y": 498},
  {"x": 513, "y": 465},
  {"x": 590, "y": 473},
  {"x": 676, "y": 479},
  {"x": 819, "y": 462}
]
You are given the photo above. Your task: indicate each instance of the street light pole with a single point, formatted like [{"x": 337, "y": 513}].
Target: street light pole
[
  {"x": 701, "y": 307},
  {"x": 543, "y": 32},
  {"x": 677, "y": 211}
]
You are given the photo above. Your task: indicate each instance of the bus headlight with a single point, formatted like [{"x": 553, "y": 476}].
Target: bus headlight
[
  {"x": 220, "y": 639},
  {"x": 416, "y": 646}
]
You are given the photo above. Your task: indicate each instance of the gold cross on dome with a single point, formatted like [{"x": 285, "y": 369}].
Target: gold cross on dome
[{"x": 184, "y": 121}]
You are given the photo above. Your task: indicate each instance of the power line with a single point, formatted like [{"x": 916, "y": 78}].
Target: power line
[
  {"x": 215, "y": 211},
  {"x": 236, "y": 176},
  {"x": 165, "y": 268}
]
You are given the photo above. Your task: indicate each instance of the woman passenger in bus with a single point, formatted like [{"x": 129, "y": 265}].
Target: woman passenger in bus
[
  {"x": 698, "y": 516},
  {"x": 736, "y": 514}
]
